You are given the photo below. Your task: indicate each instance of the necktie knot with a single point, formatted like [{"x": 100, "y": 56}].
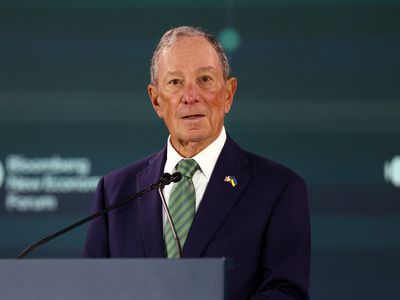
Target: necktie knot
[{"x": 187, "y": 167}]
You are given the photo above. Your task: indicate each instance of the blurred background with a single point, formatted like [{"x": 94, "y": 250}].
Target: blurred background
[{"x": 319, "y": 91}]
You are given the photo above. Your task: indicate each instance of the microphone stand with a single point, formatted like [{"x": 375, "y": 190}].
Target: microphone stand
[
  {"x": 164, "y": 180},
  {"x": 171, "y": 223}
]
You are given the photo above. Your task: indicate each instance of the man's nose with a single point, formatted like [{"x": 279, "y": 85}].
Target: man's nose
[{"x": 190, "y": 93}]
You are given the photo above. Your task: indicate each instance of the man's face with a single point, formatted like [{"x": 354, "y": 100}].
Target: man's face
[{"x": 191, "y": 95}]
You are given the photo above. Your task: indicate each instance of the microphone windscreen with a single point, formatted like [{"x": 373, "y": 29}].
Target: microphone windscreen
[
  {"x": 176, "y": 177},
  {"x": 165, "y": 177}
]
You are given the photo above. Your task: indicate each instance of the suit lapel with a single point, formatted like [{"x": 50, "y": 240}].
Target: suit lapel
[
  {"x": 150, "y": 207},
  {"x": 219, "y": 198}
]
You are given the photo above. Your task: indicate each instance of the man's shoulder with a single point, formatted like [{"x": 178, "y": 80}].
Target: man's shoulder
[
  {"x": 262, "y": 162},
  {"x": 269, "y": 168},
  {"x": 274, "y": 177},
  {"x": 263, "y": 168}
]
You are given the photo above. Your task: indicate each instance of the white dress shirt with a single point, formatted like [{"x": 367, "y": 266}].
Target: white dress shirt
[{"x": 206, "y": 159}]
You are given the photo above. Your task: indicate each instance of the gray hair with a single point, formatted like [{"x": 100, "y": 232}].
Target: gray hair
[{"x": 170, "y": 37}]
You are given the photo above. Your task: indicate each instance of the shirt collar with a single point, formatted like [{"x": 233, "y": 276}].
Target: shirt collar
[{"x": 206, "y": 159}]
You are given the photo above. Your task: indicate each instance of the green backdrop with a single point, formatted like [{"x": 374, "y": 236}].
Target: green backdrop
[{"x": 319, "y": 91}]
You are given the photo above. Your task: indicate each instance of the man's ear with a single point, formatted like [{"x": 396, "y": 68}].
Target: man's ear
[
  {"x": 155, "y": 100},
  {"x": 230, "y": 90}
]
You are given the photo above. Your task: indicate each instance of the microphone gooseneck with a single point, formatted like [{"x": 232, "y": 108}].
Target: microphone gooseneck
[
  {"x": 175, "y": 177},
  {"x": 165, "y": 179}
]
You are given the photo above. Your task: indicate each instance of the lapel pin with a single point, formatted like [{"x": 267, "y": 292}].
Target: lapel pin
[{"x": 231, "y": 179}]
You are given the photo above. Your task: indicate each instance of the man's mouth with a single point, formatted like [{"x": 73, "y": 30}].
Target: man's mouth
[{"x": 192, "y": 117}]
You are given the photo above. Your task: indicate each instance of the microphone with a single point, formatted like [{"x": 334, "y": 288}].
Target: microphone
[
  {"x": 176, "y": 177},
  {"x": 165, "y": 179},
  {"x": 173, "y": 178}
]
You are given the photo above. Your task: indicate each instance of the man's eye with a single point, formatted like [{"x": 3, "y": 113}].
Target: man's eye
[
  {"x": 205, "y": 78},
  {"x": 174, "y": 82}
]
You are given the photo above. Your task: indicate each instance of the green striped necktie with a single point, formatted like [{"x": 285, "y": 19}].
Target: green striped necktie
[{"x": 182, "y": 203}]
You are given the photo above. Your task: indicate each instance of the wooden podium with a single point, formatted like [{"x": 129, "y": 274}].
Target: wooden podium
[{"x": 112, "y": 279}]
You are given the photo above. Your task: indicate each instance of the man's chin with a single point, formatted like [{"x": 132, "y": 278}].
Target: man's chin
[{"x": 194, "y": 136}]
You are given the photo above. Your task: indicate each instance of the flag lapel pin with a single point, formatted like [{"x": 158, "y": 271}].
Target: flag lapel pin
[{"x": 231, "y": 179}]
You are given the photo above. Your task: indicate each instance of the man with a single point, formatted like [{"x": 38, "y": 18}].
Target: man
[{"x": 231, "y": 203}]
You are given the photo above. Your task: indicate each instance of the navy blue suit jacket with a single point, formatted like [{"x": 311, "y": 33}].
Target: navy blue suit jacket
[{"x": 262, "y": 224}]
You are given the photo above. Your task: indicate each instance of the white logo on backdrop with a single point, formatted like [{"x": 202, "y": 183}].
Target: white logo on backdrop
[
  {"x": 1, "y": 174},
  {"x": 34, "y": 183},
  {"x": 391, "y": 171}
]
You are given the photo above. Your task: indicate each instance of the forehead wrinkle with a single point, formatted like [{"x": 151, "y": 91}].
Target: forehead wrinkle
[
  {"x": 208, "y": 68},
  {"x": 198, "y": 70},
  {"x": 174, "y": 73}
]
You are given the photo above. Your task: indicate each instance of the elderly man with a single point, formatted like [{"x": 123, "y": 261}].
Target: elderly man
[{"x": 230, "y": 203}]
